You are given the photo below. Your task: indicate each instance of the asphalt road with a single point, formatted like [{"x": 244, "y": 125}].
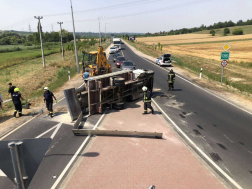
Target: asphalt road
[
  {"x": 63, "y": 147},
  {"x": 222, "y": 131},
  {"x": 219, "y": 129}
]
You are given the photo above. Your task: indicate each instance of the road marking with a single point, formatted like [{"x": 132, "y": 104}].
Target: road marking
[
  {"x": 122, "y": 52},
  {"x": 209, "y": 92},
  {"x": 228, "y": 138},
  {"x": 56, "y": 130},
  {"x": 197, "y": 148},
  {"x": 75, "y": 155},
  {"x": 46, "y": 131},
  {"x": 2, "y": 174},
  {"x": 17, "y": 128}
]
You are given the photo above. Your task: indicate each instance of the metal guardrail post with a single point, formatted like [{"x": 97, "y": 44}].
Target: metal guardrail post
[{"x": 16, "y": 164}]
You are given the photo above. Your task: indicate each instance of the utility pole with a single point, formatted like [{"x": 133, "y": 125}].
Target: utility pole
[
  {"x": 29, "y": 27},
  {"x": 41, "y": 40},
  {"x": 99, "y": 28},
  {"x": 61, "y": 39},
  {"x": 52, "y": 28},
  {"x": 76, "y": 51},
  {"x": 105, "y": 34}
]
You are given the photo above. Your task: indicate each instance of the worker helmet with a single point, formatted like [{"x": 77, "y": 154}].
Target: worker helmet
[
  {"x": 144, "y": 88},
  {"x": 16, "y": 89},
  {"x": 171, "y": 70},
  {"x": 46, "y": 89}
]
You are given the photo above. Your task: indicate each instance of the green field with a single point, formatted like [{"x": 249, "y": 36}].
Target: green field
[
  {"x": 246, "y": 30},
  {"x": 12, "y": 58}
]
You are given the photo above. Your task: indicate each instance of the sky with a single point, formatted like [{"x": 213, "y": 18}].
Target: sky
[{"x": 138, "y": 16}]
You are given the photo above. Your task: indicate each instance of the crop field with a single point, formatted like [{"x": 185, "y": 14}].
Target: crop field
[
  {"x": 240, "y": 50},
  {"x": 191, "y": 39}
]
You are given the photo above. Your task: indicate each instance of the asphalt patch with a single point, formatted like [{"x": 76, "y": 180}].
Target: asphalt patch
[
  {"x": 214, "y": 125},
  {"x": 182, "y": 116},
  {"x": 241, "y": 143},
  {"x": 222, "y": 146},
  {"x": 200, "y": 127},
  {"x": 215, "y": 157},
  {"x": 196, "y": 132}
]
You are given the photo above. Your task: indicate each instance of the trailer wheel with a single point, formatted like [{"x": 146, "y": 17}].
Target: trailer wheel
[
  {"x": 119, "y": 81},
  {"x": 119, "y": 105}
]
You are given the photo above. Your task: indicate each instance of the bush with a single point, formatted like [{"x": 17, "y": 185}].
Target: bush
[
  {"x": 28, "y": 44},
  {"x": 212, "y": 32},
  {"x": 226, "y": 31},
  {"x": 238, "y": 31}
]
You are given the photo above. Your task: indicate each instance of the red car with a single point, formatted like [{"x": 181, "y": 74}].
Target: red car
[{"x": 119, "y": 61}]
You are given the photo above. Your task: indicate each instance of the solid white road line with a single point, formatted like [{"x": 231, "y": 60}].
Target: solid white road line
[
  {"x": 209, "y": 92},
  {"x": 42, "y": 134},
  {"x": 56, "y": 130},
  {"x": 17, "y": 128},
  {"x": 75, "y": 155},
  {"x": 2, "y": 174},
  {"x": 197, "y": 148}
]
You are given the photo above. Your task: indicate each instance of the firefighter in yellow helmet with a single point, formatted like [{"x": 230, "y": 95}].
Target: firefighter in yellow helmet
[
  {"x": 16, "y": 96},
  {"x": 147, "y": 100}
]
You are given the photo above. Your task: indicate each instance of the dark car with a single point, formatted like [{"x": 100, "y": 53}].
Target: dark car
[
  {"x": 119, "y": 61},
  {"x": 115, "y": 56},
  {"x": 128, "y": 65}
]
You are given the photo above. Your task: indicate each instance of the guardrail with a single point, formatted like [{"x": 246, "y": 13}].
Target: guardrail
[{"x": 7, "y": 100}]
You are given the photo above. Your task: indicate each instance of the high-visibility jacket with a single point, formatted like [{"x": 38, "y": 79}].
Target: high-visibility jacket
[
  {"x": 147, "y": 96},
  {"x": 171, "y": 77}
]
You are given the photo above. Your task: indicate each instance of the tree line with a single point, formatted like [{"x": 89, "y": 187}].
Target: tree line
[
  {"x": 218, "y": 25},
  {"x": 12, "y": 38}
]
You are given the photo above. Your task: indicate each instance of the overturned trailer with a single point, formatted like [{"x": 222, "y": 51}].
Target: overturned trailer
[{"x": 109, "y": 90}]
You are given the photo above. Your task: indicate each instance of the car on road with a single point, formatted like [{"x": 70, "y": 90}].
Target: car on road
[
  {"x": 115, "y": 56},
  {"x": 112, "y": 50},
  {"x": 117, "y": 49},
  {"x": 119, "y": 61},
  {"x": 164, "y": 60},
  {"x": 128, "y": 65}
]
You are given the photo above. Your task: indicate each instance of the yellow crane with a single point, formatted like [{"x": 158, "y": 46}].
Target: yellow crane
[{"x": 98, "y": 63}]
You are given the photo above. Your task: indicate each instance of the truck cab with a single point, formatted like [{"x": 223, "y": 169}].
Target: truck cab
[{"x": 117, "y": 42}]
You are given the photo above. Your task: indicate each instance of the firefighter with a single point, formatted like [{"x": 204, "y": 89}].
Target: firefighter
[
  {"x": 147, "y": 100},
  {"x": 16, "y": 96},
  {"x": 48, "y": 98},
  {"x": 171, "y": 79}
]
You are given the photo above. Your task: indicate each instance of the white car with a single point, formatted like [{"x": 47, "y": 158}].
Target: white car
[
  {"x": 117, "y": 49},
  {"x": 164, "y": 60},
  {"x": 112, "y": 50}
]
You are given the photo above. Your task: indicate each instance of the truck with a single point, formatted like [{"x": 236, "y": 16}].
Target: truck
[{"x": 117, "y": 42}]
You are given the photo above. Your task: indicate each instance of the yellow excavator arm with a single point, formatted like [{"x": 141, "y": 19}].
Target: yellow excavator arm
[{"x": 102, "y": 66}]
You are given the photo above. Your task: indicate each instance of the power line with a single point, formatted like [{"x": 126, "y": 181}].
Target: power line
[
  {"x": 148, "y": 11},
  {"x": 139, "y": 2}
]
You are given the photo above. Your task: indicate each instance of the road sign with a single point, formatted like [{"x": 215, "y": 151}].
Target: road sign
[
  {"x": 225, "y": 55},
  {"x": 224, "y": 63},
  {"x": 226, "y": 47}
]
